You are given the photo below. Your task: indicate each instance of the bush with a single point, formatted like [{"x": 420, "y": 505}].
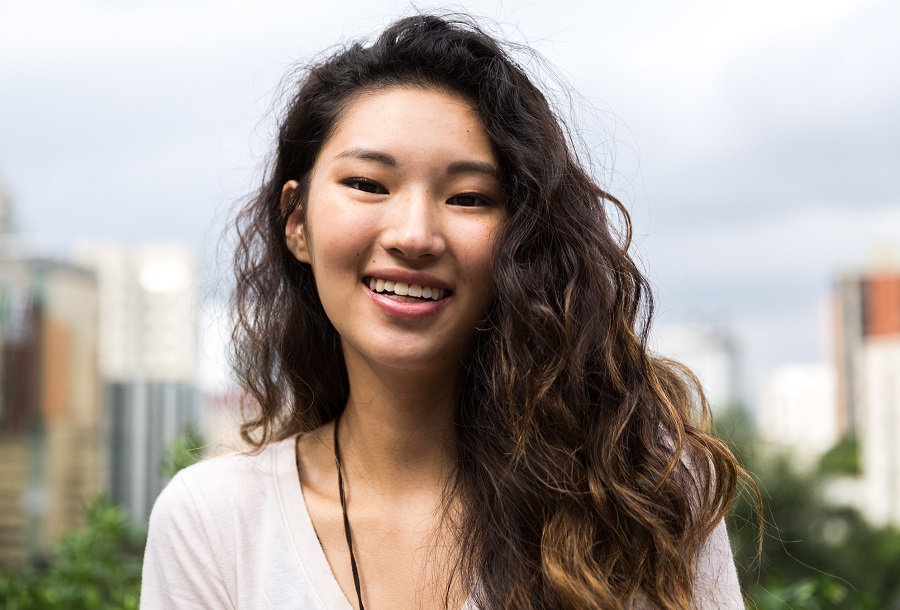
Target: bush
[
  {"x": 94, "y": 567},
  {"x": 814, "y": 555},
  {"x": 97, "y": 566}
]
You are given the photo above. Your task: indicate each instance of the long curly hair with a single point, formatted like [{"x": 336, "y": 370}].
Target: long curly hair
[{"x": 584, "y": 473}]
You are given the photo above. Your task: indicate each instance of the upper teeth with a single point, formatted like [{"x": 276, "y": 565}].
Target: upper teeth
[{"x": 403, "y": 289}]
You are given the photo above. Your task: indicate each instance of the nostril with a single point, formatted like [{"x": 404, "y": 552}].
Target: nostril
[{"x": 413, "y": 237}]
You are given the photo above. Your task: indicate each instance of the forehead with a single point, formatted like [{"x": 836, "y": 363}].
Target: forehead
[{"x": 411, "y": 121}]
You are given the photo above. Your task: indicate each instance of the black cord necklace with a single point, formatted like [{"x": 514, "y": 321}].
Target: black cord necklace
[{"x": 337, "y": 462}]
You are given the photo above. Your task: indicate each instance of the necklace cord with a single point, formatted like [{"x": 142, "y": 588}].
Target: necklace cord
[{"x": 337, "y": 462}]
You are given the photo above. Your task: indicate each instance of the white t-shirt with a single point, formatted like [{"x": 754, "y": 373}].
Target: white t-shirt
[{"x": 233, "y": 532}]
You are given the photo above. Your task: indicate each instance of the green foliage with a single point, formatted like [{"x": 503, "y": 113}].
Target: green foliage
[
  {"x": 814, "y": 555},
  {"x": 184, "y": 451},
  {"x": 842, "y": 459},
  {"x": 815, "y": 593},
  {"x": 97, "y": 566}
]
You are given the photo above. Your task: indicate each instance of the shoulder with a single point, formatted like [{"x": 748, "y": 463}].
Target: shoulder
[
  {"x": 716, "y": 579},
  {"x": 198, "y": 535},
  {"x": 216, "y": 489},
  {"x": 218, "y": 483},
  {"x": 708, "y": 483},
  {"x": 234, "y": 471}
]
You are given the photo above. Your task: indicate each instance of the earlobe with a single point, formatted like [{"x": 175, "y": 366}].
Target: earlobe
[{"x": 294, "y": 230}]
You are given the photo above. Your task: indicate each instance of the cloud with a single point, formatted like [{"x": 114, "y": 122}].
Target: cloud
[
  {"x": 796, "y": 122},
  {"x": 757, "y": 144}
]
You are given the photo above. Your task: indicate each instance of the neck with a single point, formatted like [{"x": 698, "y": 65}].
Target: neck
[{"x": 396, "y": 431}]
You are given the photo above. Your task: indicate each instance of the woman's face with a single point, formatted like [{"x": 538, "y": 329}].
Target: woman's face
[{"x": 399, "y": 227}]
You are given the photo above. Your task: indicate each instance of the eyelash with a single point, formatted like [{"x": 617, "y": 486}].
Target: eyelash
[
  {"x": 473, "y": 199},
  {"x": 480, "y": 200},
  {"x": 357, "y": 183}
]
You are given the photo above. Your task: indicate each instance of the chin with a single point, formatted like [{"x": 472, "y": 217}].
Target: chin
[{"x": 415, "y": 362}]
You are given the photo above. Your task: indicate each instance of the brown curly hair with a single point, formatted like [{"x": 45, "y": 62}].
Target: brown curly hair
[{"x": 573, "y": 441}]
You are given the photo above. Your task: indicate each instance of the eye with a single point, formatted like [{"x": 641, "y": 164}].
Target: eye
[
  {"x": 470, "y": 200},
  {"x": 365, "y": 185}
]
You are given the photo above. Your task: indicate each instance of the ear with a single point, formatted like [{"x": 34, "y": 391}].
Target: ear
[{"x": 294, "y": 230}]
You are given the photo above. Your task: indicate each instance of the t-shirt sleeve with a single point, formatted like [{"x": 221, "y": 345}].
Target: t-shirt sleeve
[
  {"x": 180, "y": 569},
  {"x": 716, "y": 586}
]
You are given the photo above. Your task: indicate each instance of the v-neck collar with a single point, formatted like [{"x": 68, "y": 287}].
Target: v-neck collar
[{"x": 308, "y": 550}]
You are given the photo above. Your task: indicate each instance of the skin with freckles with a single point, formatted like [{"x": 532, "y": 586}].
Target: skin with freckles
[{"x": 406, "y": 189}]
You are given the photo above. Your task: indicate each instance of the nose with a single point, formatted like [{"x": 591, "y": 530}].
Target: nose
[{"x": 414, "y": 228}]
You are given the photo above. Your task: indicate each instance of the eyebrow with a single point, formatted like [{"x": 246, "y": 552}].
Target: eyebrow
[
  {"x": 473, "y": 167},
  {"x": 454, "y": 169},
  {"x": 369, "y": 155}
]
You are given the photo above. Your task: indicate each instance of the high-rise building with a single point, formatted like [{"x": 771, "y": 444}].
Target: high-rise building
[
  {"x": 148, "y": 360},
  {"x": 148, "y": 311},
  {"x": 867, "y": 307},
  {"x": 879, "y": 432},
  {"x": 50, "y": 407}
]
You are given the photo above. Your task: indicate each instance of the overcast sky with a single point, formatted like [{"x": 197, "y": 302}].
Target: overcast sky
[{"x": 757, "y": 144}]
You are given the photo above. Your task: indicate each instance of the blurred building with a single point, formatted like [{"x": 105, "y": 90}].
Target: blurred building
[
  {"x": 867, "y": 308},
  {"x": 6, "y": 213},
  {"x": 148, "y": 360},
  {"x": 798, "y": 411},
  {"x": 50, "y": 408},
  {"x": 879, "y": 432},
  {"x": 710, "y": 351}
]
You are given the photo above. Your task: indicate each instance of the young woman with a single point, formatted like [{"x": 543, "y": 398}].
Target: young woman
[{"x": 444, "y": 341}]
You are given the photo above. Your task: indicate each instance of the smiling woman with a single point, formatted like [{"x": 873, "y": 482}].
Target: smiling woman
[
  {"x": 449, "y": 396},
  {"x": 404, "y": 193}
]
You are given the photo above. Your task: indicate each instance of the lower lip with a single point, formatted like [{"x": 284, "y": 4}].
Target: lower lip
[{"x": 420, "y": 310}]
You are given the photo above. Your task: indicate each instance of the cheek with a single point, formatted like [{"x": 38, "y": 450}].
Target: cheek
[
  {"x": 478, "y": 257},
  {"x": 337, "y": 236}
]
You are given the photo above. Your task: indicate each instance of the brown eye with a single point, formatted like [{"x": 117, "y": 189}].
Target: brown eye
[
  {"x": 366, "y": 186},
  {"x": 469, "y": 200}
]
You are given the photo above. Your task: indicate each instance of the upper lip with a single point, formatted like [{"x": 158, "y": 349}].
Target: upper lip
[{"x": 408, "y": 277}]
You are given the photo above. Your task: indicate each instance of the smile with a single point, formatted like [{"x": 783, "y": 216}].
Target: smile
[{"x": 403, "y": 292}]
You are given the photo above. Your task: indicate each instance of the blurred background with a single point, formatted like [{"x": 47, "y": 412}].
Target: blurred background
[{"x": 756, "y": 145}]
